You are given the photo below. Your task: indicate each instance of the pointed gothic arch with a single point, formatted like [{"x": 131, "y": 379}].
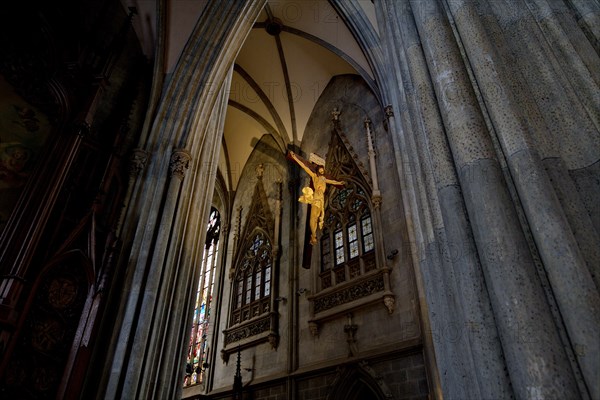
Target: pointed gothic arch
[
  {"x": 252, "y": 315},
  {"x": 347, "y": 243},
  {"x": 352, "y": 270},
  {"x": 358, "y": 382}
]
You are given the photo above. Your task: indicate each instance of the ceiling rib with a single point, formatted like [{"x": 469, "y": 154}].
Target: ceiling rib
[
  {"x": 267, "y": 102},
  {"x": 362, "y": 72},
  {"x": 227, "y": 163},
  {"x": 265, "y": 124},
  {"x": 284, "y": 69},
  {"x": 288, "y": 88}
]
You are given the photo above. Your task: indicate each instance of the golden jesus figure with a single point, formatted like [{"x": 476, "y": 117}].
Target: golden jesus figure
[{"x": 315, "y": 197}]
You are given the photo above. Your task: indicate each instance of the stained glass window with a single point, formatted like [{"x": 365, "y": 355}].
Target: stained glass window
[{"x": 198, "y": 345}]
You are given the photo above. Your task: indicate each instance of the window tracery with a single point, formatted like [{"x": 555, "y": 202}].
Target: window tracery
[
  {"x": 252, "y": 283},
  {"x": 352, "y": 270},
  {"x": 253, "y": 315},
  {"x": 347, "y": 245}
]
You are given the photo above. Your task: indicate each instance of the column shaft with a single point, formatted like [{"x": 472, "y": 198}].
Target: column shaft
[
  {"x": 536, "y": 367},
  {"x": 563, "y": 262},
  {"x": 473, "y": 315}
]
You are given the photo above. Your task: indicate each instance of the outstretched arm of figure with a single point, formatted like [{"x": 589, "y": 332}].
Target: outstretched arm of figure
[
  {"x": 301, "y": 163},
  {"x": 334, "y": 182}
]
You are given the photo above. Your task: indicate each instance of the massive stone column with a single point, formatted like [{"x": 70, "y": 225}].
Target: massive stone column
[
  {"x": 465, "y": 334},
  {"x": 588, "y": 16},
  {"x": 562, "y": 258},
  {"x": 180, "y": 122},
  {"x": 157, "y": 284},
  {"x": 556, "y": 89},
  {"x": 537, "y": 367},
  {"x": 420, "y": 233},
  {"x": 191, "y": 224}
]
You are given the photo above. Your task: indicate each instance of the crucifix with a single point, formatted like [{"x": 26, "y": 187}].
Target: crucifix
[{"x": 315, "y": 195}]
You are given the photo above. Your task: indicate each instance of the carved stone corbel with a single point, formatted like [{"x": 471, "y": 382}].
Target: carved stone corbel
[
  {"x": 376, "y": 201},
  {"x": 273, "y": 340},
  {"x": 313, "y": 327},
  {"x": 138, "y": 161},
  {"x": 350, "y": 330},
  {"x": 389, "y": 111},
  {"x": 180, "y": 161},
  {"x": 389, "y": 301},
  {"x": 224, "y": 356}
]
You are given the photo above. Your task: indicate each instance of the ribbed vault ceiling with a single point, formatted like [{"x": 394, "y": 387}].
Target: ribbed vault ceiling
[{"x": 293, "y": 50}]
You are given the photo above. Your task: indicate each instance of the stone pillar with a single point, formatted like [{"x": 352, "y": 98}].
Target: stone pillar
[
  {"x": 567, "y": 137},
  {"x": 588, "y": 14},
  {"x": 151, "y": 317},
  {"x": 418, "y": 253},
  {"x": 468, "y": 338},
  {"x": 568, "y": 52},
  {"x": 191, "y": 227},
  {"x": 180, "y": 121},
  {"x": 537, "y": 367},
  {"x": 152, "y": 322},
  {"x": 420, "y": 247},
  {"x": 563, "y": 262}
]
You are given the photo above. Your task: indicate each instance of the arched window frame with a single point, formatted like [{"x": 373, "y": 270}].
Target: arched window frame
[
  {"x": 347, "y": 246},
  {"x": 197, "y": 354},
  {"x": 253, "y": 278},
  {"x": 253, "y": 317},
  {"x": 357, "y": 281}
]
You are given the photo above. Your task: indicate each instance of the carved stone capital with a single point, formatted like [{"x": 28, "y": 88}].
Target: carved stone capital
[
  {"x": 389, "y": 111},
  {"x": 273, "y": 340},
  {"x": 350, "y": 330},
  {"x": 137, "y": 163},
  {"x": 260, "y": 171},
  {"x": 180, "y": 161},
  {"x": 335, "y": 115},
  {"x": 224, "y": 356},
  {"x": 390, "y": 303},
  {"x": 313, "y": 327},
  {"x": 376, "y": 199}
]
